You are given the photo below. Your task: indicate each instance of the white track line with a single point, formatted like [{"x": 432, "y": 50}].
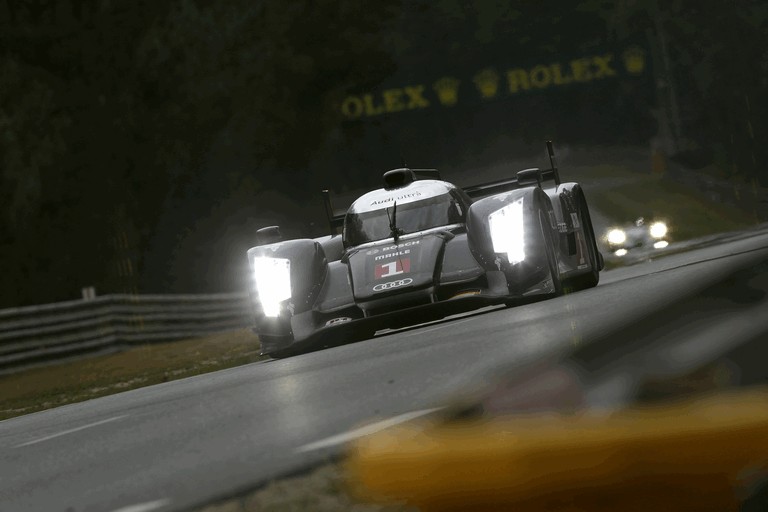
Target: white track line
[
  {"x": 364, "y": 431},
  {"x": 46, "y": 438},
  {"x": 144, "y": 507}
]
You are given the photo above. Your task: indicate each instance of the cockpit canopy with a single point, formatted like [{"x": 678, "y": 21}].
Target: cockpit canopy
[{"x": 421, "y": 205}]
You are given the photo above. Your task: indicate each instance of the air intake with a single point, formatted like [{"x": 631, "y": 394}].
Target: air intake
[{"x": 397, "y": 178}]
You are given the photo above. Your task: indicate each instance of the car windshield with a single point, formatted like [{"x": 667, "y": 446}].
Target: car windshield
[{"x": 441, "y": 210}]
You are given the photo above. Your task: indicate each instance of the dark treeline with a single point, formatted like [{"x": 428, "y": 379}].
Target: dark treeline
[{"x": 142, "y": 143}]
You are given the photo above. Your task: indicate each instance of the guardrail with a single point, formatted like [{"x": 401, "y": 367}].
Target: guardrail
[{"x": 33, "y": 335}]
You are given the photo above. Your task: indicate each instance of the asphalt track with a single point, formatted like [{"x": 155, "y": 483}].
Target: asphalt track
[{"x": 177, "y": 445}]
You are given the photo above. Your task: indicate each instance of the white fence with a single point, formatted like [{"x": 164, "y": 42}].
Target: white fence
[{"x": 37, "y": 334}]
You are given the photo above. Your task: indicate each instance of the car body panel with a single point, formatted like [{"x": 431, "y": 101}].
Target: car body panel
[{"x": 377, "y": 270}]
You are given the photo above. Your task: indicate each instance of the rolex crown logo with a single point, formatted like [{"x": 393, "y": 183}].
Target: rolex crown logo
[
  {"x": 634, "y": 60},
  {"x": 447, "y": 89},
  {"x": 487, "y": 82}
]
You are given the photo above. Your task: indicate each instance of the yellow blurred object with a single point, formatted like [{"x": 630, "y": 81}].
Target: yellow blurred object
[{"x": 690, "y": 456}]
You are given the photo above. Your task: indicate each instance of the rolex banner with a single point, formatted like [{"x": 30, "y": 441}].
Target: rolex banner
[{"x": 497, "y": 83}]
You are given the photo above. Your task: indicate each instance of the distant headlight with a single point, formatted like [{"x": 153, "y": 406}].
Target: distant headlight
[
  {"x": 658, "y": 230},
  {"x": 273, "y": 282},
  {"x": 617, "y": 236},
  {"x": 507, "y": 231}
]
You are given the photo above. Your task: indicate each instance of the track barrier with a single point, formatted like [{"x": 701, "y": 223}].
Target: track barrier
[{"x": 35, "y": 335}]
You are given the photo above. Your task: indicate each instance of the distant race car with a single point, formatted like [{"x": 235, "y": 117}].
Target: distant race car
[
  {"x": 639, "y": 234},
  {"x": 421, "y": 249}
]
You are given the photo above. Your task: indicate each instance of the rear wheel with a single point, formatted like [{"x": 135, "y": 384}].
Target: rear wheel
[
  {"x": 554, "y": 269},
  {"x": 591, "y": 278}
]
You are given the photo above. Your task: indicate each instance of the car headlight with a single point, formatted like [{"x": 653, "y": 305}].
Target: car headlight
[
  {"x": 617, "y": 236},
  {"x": 658, "y": 230},
  {"x": 507, "y": 231},
  {"x": 273, "y": 282}
]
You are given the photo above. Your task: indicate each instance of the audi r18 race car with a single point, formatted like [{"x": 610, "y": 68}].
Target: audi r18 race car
[{"x": 420, "y": 249}]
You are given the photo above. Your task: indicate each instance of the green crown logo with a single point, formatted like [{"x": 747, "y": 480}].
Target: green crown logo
[
  {"x": 447, "y": 89},
  {"x": 634, "y": 60},
  {"x": 487, "y": 82}
]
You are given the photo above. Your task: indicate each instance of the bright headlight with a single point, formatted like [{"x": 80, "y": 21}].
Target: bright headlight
[
  {"x": 617, "y": 236},
  {"x": 507, "y": 231},
  {"x": 273, "y": 282},
  {"x": 658, "y": 230}
]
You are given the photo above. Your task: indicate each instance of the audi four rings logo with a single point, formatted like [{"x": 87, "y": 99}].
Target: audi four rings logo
[{"x": 392, "y": 284}]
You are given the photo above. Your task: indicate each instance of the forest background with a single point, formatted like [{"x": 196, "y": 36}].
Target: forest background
[{"x": 142, "y": 143}]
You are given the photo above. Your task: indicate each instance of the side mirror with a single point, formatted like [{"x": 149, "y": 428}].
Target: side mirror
[
  {"x": 528, "y": 177},
  {"x": 268, "y": 235}
]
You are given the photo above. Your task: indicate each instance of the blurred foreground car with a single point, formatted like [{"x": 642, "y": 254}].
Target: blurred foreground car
[
  {"x": 702, "y": 455},
  {"x": 419, "y": 249},
  {"x": 640, "y": 234}
]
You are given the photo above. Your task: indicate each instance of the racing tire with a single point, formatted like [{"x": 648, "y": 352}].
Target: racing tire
[
  {"x": 283, "y": 353},
  {"x": 554, "y": 269},
  {"x": 320, "y": 342},
  {"x": 590, "y": 279}
]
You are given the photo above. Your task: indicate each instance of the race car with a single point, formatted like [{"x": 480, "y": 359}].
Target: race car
[
  {"x": 419, "y": 249},
  {"x": 639, "y": 234}
]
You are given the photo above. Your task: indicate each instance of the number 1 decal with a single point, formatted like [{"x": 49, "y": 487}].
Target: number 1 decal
[{"x": 393, "y": 268}]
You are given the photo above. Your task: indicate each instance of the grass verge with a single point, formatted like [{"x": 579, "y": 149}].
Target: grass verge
[{"x": 52, "y": 386}]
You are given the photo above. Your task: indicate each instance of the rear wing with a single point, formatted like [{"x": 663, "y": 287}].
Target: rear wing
[
  {"x": 524, "y": 178},
  {"x": 427, "y": 174},
  {"x": 529, "y": 177},
  {"x": 335, "y": 221}
]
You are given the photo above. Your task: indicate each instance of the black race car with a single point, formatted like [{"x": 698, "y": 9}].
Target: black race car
[{"x": 421, "y": 249}]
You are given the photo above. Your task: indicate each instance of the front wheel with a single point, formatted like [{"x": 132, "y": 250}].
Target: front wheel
[{"x": 269, "y": 342}]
